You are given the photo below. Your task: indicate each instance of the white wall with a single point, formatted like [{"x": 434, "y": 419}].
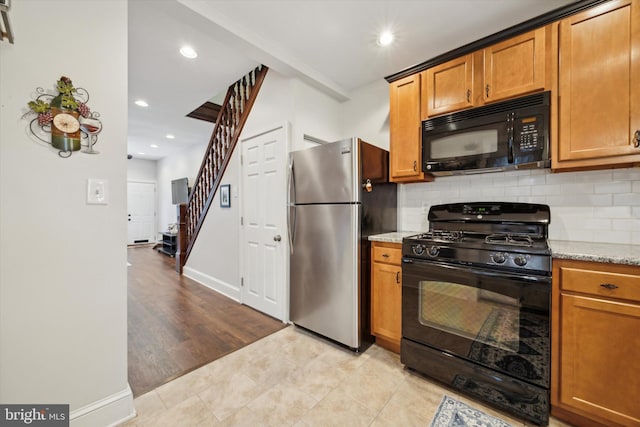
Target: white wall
[
  {"x": 142, "y": 170},
  {"x": 366, "y": 114},
  {"x": 63, "y": 274},
  {"x": 184, "y": 164}
]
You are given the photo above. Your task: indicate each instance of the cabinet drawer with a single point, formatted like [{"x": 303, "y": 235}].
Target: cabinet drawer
[
  {"x": 386, "y": 254},
  {"x": 617, "y": 282}
]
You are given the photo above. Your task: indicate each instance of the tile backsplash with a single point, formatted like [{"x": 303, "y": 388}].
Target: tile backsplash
[{"x": 594, "y": 206}]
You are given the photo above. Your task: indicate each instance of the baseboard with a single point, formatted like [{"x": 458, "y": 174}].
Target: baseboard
[
  {"x": 217, "y": 285},
  {"x": 110, "y": 411}
]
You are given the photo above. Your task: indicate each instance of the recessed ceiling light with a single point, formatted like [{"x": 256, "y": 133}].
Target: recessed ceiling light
[
  {"x": 385, "y": 38},
  {"x": 188, "y": 52},
  {"x": 170, "y": 136},
  {"x": 154, "y": 146},
  {"x": 141, "y": 103}
]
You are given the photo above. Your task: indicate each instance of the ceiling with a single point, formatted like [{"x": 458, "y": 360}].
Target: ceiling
[{"x": 330, "y": 44}]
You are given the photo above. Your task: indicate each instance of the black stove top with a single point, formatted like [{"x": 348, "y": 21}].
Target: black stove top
[{"x": 495, "y": 235}]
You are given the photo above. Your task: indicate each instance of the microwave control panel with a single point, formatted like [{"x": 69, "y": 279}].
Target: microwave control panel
[{"x": 529, "y": 133}]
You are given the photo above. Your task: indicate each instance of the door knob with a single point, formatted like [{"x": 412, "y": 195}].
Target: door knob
[{"x": 277, "y": 238}]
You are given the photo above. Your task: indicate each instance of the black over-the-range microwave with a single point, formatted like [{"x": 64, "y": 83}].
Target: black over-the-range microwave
[{"x": 513, "y": 134}]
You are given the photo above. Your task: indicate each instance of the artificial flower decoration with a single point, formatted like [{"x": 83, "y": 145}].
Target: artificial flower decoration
[{"x": 66, "y": 117}]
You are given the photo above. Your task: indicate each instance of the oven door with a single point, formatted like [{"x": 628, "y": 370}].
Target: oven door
[{"x": 495, "y": 319}]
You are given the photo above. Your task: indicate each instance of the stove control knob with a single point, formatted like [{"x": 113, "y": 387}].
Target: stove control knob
[
  {"x": 418, "y": 249},
  {"x": 434, "y": 251},
  {"x": 520, "y": 260},
  {"x": 498, "y": 258}
]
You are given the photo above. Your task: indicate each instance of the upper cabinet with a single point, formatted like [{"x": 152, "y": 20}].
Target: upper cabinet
[
  {"x": 599, "y": 87},
  {"x": 504, "y": 70},
  {"x": 405, "y": 153},
  {"x": 449, "y": 86},
  {"x": 515, "y": 66}
]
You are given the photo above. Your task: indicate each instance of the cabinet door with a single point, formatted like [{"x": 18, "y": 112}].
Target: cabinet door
[
  {"x": 386, "y": 301},
  {"x": 404, "y": 124},
  {"x": 515, "y": 66},
  {"x": 599, "y": 87},
  {"x": 449, "y": 86},
  {"x": 599, "y": 365}
]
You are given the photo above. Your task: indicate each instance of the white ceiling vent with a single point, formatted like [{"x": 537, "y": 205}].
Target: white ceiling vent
[{"x": 5, "y": 28}]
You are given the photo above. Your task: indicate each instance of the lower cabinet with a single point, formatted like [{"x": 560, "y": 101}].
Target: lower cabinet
[
  {"x": 595, "y": 376},
  {"x": 386, "y": 294}
]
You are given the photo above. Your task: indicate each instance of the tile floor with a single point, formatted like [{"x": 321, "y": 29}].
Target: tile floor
[{"x": 292, "y": 378}]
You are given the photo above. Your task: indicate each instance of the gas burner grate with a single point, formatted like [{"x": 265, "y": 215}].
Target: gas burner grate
[{"x": 509, "y": 239}]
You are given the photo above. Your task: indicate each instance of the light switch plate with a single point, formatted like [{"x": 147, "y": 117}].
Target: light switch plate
[{"x": 97, "y": 191}]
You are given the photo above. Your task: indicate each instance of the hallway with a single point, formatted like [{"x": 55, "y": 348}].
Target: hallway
[{"x": 176, "y": 325}]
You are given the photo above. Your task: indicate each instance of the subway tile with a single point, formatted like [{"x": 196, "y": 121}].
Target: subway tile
[
  {"x": 627, "y": 199},
  {"x": 544, "y": 190},
  {"x": 611, "y": 236},
  {"x": 577, "y": 188},
  {"x": 594, "y": 176},
  {"x": 612, "y": 212},
  {"x": 613, "y": 187},
  {"x": 517, "y": 191},
  {"x": 560, "y": 178},
  {"x": 531, "y": 180},
  {"x": 629, "y": 174},
  {"x": 626, "y": 225}
]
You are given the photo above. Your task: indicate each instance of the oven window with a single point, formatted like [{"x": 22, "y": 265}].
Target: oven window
[
  {"x": 469, "y": 312},
  {"x": 465, "y": 144}
]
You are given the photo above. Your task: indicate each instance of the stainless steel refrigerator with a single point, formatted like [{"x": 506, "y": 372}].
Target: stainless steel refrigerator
[{"x": 339, "y": 194}]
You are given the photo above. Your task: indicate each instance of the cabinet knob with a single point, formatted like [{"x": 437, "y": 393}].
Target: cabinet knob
[
  {"x": 397, "y": 277},
  {"x": 609, "y": 286},
  {"x": 487, "y": 90},
  {"x": 636, "y": 139},
  {"x": 468, "y": 95},
  {"x": 415, "y": 166},
  {"x": 385, "y": 255},
  {"x": 277, "y": 238}
]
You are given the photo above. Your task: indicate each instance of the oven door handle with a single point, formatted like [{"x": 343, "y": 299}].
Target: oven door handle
[{"x": 477, "y": 271}]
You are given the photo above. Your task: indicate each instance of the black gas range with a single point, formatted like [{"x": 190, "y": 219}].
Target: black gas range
[
  {"x": 509, "y": 236},
  {"x": 476, "y": 297}
]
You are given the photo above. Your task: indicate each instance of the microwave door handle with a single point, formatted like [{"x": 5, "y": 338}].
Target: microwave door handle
[{"x": 510, "y": 125}]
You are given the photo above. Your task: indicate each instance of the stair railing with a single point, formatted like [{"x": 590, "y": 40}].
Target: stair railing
[{"x": 234, "y": 112}]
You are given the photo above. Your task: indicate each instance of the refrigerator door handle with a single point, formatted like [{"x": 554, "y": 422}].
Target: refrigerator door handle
[{"x": 291, "y": 185}]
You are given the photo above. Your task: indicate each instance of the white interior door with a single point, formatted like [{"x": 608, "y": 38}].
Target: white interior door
[
  {"x": 264, "y": 240},
  {"x": 141, "y": 206}
]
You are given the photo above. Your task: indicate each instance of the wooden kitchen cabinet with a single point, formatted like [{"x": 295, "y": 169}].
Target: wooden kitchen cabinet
[
  {"x": 516, "y": 66},
  {"x": 599, "y": 87},
  {"x": 386, "y": 294},
  {"x": 508, "y": 69},
  {"x": 449, "y": 86},
  {"x": 405, "y": 152},
  {"x": 595, "y": 343}
]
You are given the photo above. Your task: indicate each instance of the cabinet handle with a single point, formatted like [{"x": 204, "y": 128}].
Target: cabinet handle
[
  {"x": 609, "y": 286},
  {"x": 397, "y": 277},
  {"x": 415, "y": 166},
  {"x": 486, "y": 89},
  {"x": 385, "y": 255},
  {"x": 468, "y": 95},
  {"x": 636, "y": 139}
]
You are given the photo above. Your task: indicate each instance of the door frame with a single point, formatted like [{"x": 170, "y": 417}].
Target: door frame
[
  {"x": 156, "y": 231},
  {"x": 284, "y": 268}
]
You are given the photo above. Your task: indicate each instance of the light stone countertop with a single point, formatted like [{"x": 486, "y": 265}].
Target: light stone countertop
[
  {"x": 598, "y": 252},
  {"x": 392, "y": 237},
  {"x": 581, "y": 251}
]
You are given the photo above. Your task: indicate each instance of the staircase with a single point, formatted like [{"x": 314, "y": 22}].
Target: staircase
[{"x": 233, "y": 115}]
